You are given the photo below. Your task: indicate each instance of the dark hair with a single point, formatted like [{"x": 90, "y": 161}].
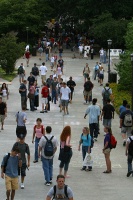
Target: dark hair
[
  {"x": 23, "y": 107},
  {"x": 108, "y": 100},
  {"x": 125, "y": 103},
  {"x": 109, "y": 130},
  {"x": 60, "y": 176},
  {"x": 16, "y": 149},
  {"x": 94, "y": 101},
  {"x": 3, "y": 86},
  {"x": 39, "y": 119},
  {"x": 48, "y": 129},
  {"x": 107, "y": 84},
  {"x": 43, "y": 63}
]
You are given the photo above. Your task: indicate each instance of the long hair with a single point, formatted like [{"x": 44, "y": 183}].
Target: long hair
[
  {"x": 65, "y": 133},
  {"x": 2, "y": 87}
]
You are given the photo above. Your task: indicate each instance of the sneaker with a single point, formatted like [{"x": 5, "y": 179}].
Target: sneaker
[
  {"x": 95, "y": 139},
  {"x": 50, "y": 181},
  {"x": 45, "y": 111},
  {"x": 129, "y": 173},
  {"x": 22, "y": 185},
  {"x": 124, "y": 143},
  {"x": 42, "y": 111},
  {"x": 47, "y": 183}
]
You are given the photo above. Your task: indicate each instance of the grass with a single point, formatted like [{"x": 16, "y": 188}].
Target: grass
[{"x": 7, "y": 77}]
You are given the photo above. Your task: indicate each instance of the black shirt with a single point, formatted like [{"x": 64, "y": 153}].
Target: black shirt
[
  {"x": 31, "y": 79},
  {"x": 71, "y": 84},
  {"x": 108, "y": 110},
  {"x": 2, "y": 108},
  {"x": 61, "y": 62}
]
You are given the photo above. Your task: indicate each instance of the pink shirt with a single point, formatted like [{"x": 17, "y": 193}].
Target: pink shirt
[{"x": 38, "y": 132}]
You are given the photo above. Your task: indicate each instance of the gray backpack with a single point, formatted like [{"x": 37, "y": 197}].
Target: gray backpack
[{"x": 128, "y": 120}]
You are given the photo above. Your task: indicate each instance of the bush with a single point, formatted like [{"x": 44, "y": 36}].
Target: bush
[{"x": 119, "y": 95}]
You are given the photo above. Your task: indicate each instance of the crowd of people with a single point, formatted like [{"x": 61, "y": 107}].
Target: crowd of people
[{"x": 54, "y": 89}]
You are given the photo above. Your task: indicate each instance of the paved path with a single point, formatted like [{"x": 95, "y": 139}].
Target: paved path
[{"x": 86, "y": 185}]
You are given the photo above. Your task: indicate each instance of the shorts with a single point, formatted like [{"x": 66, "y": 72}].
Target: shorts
[
  {"x": 21, "y": 75},
  {"x": 11, "y": 183},
  {"x": 22, "y": 170},
  {"x": 64, "y": 102},
  {"x": 43, "y": 77},
  {"x": 107, "y": 122},
  {"x": 2, "y": 117},
  {"x": 101, "y": 76},
  {"x": 106, "y": 151},
  {"x": 45, "y": 100},
  {"x": 52, "y": 64},
  {"x": 126, "y": 130},
  {"x": 86, "y": 75},
  {"x": 4, "y": 99},
  {"x": 87, "y": 93}
]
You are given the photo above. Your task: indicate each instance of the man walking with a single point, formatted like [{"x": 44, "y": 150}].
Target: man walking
[
  {"x": 21, "y": 72},
  {"x": 9, "y": 171},
  {"x": 106, "y": 92},
  {"x": 108, "y": 114},
  {"x": 35, "y": 71},
  {"x": 43, "y": 70},
  {"x": 47, "y": 147},
  {"x": 3, "y": 113},
  {"x": 88, "y": 86},
  {"x": 45, "y": 93},
  {"x": 60, "y": 190},
  {"x": 54, "y": 90},
  {"x": 65, "y": 94},
  {"x": 71, "y": 84},
  {"x": 94, "y": 114},
  {"x": 23, "y": 93}
]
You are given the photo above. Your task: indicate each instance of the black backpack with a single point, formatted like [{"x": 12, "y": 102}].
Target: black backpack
[
  {"x": 20, "y": 70},
  {"x": 6, "y": 161},
  {"x": 35, "y": 71},
  {"x": 106, "y": 94},
  {"x": 49, "y": 148},
  {"x": 65, "y": 191},
  {"x": 130, "y": 147}
]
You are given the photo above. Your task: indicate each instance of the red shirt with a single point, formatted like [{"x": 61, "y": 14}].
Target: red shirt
[{"x": 45, "y": 92}]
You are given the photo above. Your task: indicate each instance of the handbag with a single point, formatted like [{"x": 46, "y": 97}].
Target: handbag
[
  {"x": 88, "y": 162},
  {"x": 30, "y": 96}
]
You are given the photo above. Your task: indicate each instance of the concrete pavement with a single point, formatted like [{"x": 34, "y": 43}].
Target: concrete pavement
[{"x": 86, "y": 185}]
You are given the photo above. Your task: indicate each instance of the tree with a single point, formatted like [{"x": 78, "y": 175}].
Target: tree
[{"x": 10, "y": 51}]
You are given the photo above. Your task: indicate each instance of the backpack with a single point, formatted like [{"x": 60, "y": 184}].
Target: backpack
[
  {"x": 20, "y": 70},
  {"x": 6, "y": 161},
  {"x": 35, "y": 71},
  {"x": 130, "y": 147},
  {"x": 49, "y": 148},
  {"x": 113, "y": 142},
  {"x": 88, "y": 86},
  {"x": 92, "y": 141},
  {"x": 65, "y": 191},
  {"x": 41, "y": 128},
  {"x": 106, "y": 94},
  {"x": 128, "y": 120}
]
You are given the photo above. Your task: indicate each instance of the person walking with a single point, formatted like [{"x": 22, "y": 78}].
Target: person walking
[
  {"x": 61, "y": 62},
  {"x": 21, "y": 72},
  {"x": 43, "y": 70},
  {"x": 85, "y": 140},
  {"x": 88, "y": 86},
  {"x": 23, "y": 149},
  {"x": 45, "y": 93},
  {"x": 86, "y": 72},
  {"x": 126, "y": 123},
  {"x": 53, "y": 89},
  {"x": 65, "y": 95},
  {"x": 4, "y": 92},
  {"x": 107, "y": 114},
  {"x": 3, "y": 112},
  {"x": 65, "y": 150},
  {"x": 27, "y": 56},
  {"x": 23, "y": 94},
  {"x": 107, "y": 149},
  {"x": 106, "y": 93},
  {"x": 9, "y": 171},
  {"x": 31, "y": 96},
  {"x": 129, "y": 154},
  {"x": 38, "y": 132},
  {"x": 31, "y": 80},
  {"x": 71, "y": 84},
  {"x": 35, "y": 71},
  {"x": 94, "y": 114},
  {"x": 60, "y": 190},
  {"x": 47, "y": 154}
]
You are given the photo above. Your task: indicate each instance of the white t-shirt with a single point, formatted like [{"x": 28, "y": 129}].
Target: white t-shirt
[
  {"x": 128, "y": 140},
  {"x": 65, "y": 93},
  {"x": 101, "y": 52},
  {"x": 52, "y": 59},
  {"x": 80, "y": 48},
  {"x": 43, "y": 69}
]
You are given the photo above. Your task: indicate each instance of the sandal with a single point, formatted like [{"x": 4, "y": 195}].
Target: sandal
[{"x": 107, "y": 172}]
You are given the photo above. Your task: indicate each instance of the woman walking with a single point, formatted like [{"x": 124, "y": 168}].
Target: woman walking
[
  {"x": 107, "y": 149},
  {"x": 4, "y": 92},
  {"x": 38, "y": 132},
  {"x": 65, "y": 150},
  {"x": 85, "y": 140}
]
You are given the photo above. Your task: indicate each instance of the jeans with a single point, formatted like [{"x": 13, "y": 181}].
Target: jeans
[
  {"x": 94, "y": 130},
  {"x": 54, "y": 96},
  {"x": 95, "y": 74},
  {"x": 32, "y": 104},
  {"x": 36, "y": 148},
  {"x": 47, "y": 165},
  {"x": 47, "y": 57},
  {"x": 129, "y": 162},
  {"x": 60, "y": 54},
  {"x": 84, "y": 151},
  {"x": 23, "y": 101}
]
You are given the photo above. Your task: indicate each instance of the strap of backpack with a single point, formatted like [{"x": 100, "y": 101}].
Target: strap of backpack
[
  {"x": 46, "y": 138},
  {"x": 54, "y": 188},
  {"x": 130, "y": 139},
  {"x": 65, "y": 191},
  {"x": 51, "y": 138}
]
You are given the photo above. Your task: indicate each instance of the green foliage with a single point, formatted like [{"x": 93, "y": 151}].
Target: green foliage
[{"x": 10, "y": 51}]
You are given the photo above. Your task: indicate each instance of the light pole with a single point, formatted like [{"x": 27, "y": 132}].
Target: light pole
[
  {"x": 27, "y": 29},
  {"x": 132, "y": 78},
  {"x": 109, "y": 45}
]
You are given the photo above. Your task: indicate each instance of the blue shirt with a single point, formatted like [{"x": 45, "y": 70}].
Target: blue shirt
[
  {"x": 122, "y": 108},
  {"x": 12, "y": 166},
  {"x": 86, "y": 140},
  {"x": 20, "y": 116},
  {"x": 94, "y": 113},
  {"x": 107, "y": 139}
]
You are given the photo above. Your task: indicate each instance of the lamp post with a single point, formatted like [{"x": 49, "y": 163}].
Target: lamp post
[
  {"x": 27, "y": 29},
  {"x": 109, "y": 45},
  {"x": 132, "y": 78}
]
